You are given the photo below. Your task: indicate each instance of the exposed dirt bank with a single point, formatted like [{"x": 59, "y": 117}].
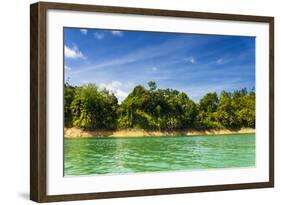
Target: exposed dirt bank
[{"x": 79, "y": 133}]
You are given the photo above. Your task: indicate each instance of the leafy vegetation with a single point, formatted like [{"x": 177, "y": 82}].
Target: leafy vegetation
[{"x": 91, "y": 108}]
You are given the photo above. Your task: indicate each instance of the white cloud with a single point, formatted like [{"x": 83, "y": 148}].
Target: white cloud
[
  {"x": 118, "y": 88},
  {"x": 67, "y": 68},
  {"x": 84, "y": 31},
  {"x": 99, "y": 35},
  {"x": 112, "y": 86},
  {"x": 121, "y": 93},
  {"x": 190, "y": 60},
  {"x": 130, "y": 85},
  {"x": 154, "y": 68},
  {"x": 117, "y": 33},
  {"x": 73, "y": 52},
  {"x": 220, "y": 61}
]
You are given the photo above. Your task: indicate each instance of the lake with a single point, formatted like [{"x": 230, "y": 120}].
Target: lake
[{"x": 105, "y": 155}]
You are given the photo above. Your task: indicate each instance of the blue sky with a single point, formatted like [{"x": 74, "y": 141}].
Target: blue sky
[{"x": 196, "y": 64}]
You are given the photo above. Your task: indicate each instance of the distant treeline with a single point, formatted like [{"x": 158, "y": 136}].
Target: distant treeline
[{"x": 91, "y": 108}]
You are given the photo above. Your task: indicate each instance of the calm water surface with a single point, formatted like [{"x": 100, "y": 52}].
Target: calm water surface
[{"x": 90, "y": 156}]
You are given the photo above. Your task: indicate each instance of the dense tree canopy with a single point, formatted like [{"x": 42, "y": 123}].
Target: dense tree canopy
[{"x": 89, "y": 107}]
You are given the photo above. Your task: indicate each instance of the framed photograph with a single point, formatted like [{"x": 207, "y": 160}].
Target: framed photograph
[{"x": 134, "y": 102}]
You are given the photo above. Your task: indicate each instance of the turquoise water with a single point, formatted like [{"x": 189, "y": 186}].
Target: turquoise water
[{"x": 90, "y": 156}]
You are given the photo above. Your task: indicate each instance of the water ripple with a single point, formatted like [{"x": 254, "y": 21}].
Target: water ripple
[{"x": 147, "y": 154}]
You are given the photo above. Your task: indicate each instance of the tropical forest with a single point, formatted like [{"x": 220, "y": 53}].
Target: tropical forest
[{"x": 150, "y": 108}]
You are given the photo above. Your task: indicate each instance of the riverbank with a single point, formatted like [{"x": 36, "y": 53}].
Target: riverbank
[{"x": 79, "y": 133}]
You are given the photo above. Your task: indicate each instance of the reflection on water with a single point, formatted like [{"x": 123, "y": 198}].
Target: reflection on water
[{"x": 90, "y": 156}]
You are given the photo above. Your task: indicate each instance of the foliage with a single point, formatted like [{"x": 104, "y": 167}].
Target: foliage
[
  {"x": 162, "y": 109},
  {"x": 89, "y": 107},
  {"x": 93, "y": 109},
  {"x": 69, "y": 92},
  {"x": 207, "y": 108}
]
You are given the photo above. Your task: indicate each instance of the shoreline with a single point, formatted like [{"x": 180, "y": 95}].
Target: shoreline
[{"x": 79, "y": 133}]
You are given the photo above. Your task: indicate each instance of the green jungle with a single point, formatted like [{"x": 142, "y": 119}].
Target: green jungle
[{"x": 91, "y": 108}]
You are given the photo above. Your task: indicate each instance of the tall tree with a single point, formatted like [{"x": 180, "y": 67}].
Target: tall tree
[
  {"x": 206, "y": 111},
  {"x": 94, "y": 109},
  {"x": 69, "y": 92},
  {"x": 152, "y": 85}
]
